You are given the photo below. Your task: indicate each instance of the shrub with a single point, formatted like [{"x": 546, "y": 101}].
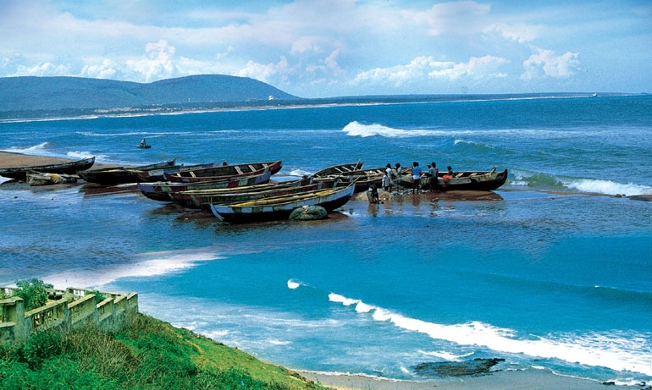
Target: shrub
[
  {"x": 34, "y": 292},
  {"x": 39, "y": 347}
]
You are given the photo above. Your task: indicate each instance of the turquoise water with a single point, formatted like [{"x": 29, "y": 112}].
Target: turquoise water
[{"x": 555, "y": 274}]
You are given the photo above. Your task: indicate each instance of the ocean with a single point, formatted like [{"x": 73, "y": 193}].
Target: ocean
[{"x": 556, "y": 274}]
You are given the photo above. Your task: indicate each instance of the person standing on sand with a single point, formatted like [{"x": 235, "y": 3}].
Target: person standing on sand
[
  {"x": 397, "y": 177},
  {"x": 387, "y": 179},
  {"x": 434, "y": 173},
  {"x": 416, "y": 176},
  {"x": 448, "y": 176}
]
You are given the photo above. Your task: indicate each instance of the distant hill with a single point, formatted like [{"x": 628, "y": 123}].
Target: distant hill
[{"x": 74, "y": 93}]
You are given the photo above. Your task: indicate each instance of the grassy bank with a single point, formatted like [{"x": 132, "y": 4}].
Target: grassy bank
[{"x": 146, "y": 354}]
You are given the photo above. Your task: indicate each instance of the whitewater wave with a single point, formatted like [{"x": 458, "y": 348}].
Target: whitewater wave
[
  {"x": 356, "y": 129},
  {"x": 590, "y": 186},
  {"x": 292, "y": 285},
  {"x": 36, "y": 150},
  {"x": 152, "y": 264},
  {"x": 620, "y": 352}
]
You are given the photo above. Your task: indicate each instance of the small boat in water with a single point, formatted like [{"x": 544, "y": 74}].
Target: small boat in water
[
  {"x": 20, "y": 173},
  {"x": 143, "y": 145},
  {"x": 280, "y": 208}
]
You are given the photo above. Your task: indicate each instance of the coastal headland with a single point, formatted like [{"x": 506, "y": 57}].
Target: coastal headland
[{"x": 533, "y": 379}]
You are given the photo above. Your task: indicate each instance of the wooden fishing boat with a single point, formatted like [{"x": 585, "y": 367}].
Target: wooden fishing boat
[
  {"x": 120, "y": 175},
  {"x": 228, "y": 172},
  {"x": 154, "y": 175},
  {"x": 20, "y": 173},
  {"x": 280, "y": 207},
  {"x": 162, "y": 191},
  {"x": 204, "y": 198},
  {"x": 363, "y": 178},
  {"x": 338, "y": 170},
  {"x": 462, "y": 181},
  {"x": 44, "y": 179}
]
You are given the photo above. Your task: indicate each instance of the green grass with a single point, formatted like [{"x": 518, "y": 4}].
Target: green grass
[{"x": 146, "y": 354}]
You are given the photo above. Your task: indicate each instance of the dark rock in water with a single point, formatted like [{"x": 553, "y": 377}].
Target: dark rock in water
[
  {"x": 473, "y": 367},
  {"x": 308, "y": 213}
]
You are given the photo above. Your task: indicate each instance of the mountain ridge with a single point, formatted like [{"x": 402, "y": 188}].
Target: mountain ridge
[{"x": 30, "y": 93}]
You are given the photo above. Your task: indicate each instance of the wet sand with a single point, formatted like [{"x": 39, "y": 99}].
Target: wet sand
[
  {"x": 503, "y": 380},
  {"x": 18, "y": 160}
]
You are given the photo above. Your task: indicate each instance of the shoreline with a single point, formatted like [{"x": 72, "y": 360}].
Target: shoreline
[{"x": 531, "y": 379}]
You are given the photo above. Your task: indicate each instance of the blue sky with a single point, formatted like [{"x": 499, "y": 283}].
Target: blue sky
[{"x": 319, "y": 48}]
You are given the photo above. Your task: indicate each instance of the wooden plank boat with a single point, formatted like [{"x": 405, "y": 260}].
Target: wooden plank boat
[
  {"x": 339, "y": 170},
  {"x": 154, "y": 175},
  {"x": 204, "y": 198},
  {"x": 226, "y": 172},
  {"x": 363, "y": 178},
  {"x": 279, "y": 208},
  {"x": 162, "y": 191},
  {"x": 462, "y": 181},
  {"x": 120, "y": 175},
  {"x": 20, "y": 173},
  {"x": 44, "y": 179}
]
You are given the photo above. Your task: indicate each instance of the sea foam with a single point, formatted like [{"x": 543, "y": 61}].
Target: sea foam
[
  {"x": 620, "y": 352},
  {"x": 152, "y": 264}
]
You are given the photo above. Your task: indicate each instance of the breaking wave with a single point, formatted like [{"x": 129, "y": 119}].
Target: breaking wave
[
  {"x": 620, "y": 352},
  {"x": 590, "y": 186},
  {"x": 356, "y": 129}
]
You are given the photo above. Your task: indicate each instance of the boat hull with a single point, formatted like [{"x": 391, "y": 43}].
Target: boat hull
[
  {"x": 261, "y": 211},
  {"x": 120, "y": 175},
  {"x": 463, "y": 181},
  {"x": 20, "y": 173}
]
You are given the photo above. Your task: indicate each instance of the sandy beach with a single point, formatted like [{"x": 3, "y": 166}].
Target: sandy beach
[
  {"x": 530, "y": 379},
  {"x": 503, "y": 380},
  {"x": 17, "y": 160}
]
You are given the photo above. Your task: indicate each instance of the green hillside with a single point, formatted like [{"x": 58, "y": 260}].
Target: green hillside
[
  {"x": 52, "y": 94},
  {"x": 146, "y": 354}
]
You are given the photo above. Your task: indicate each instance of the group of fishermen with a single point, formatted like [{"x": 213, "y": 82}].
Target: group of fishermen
[{"x": 392, "y": 178}]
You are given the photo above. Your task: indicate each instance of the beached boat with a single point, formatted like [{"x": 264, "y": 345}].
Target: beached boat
[
  {"x": 279, "y": 208},
  {"x": 44, "y": 179},
  {"x": 154, "y": 175},
  {"x": 338, "y": 170},
  {"x": 20, "y": 173},
  {"x": 213, "y": 172},
  {"x": 363, "y": 178},
  {"x": 120, "y": 175},
  {"x": 204, "y": 198},
  {"x": 462, "y": 181},
  {"x": 162, "y": 191},
  {"x": 227, "y": 172}
]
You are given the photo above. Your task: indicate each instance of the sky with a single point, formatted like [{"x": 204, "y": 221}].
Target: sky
[{"x": 332, "y": 48}]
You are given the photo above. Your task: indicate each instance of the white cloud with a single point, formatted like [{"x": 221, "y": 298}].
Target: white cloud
[
  {"x": 264, "y": 72},
  {"x": 43, "y": 69},
  {"x": 425, "y": 67},
  {"x": 521, "y": 33},
  {"x": 157, "y": 63},
  {"x": 105, "y": 69},
  {"x": 546, "y": 64},
  {"x": 459, "y": 17}
]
